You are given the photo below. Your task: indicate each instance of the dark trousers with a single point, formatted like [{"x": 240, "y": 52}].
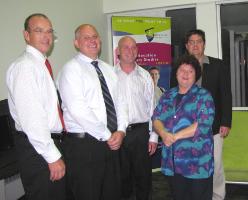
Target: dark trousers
[
  {"x": 136, "y": 169},
  {"x": 93, "y": 171},
  {"x": 35, "y": 173},
  {"x": 191, "y": 189}
]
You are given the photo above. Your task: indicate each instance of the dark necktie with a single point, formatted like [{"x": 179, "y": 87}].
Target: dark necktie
[
  {"x": 109, "y": 104},
  {"x": 49, "y": 68}
]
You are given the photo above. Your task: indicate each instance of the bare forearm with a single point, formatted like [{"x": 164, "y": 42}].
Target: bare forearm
[
  {"x": 167, "y": 137},
  {"x": 186, "y": 132},
  {"x": 159, "y": 127}
]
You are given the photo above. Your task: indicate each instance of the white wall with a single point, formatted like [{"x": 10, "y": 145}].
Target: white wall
[{"x": 65, "y": 16}]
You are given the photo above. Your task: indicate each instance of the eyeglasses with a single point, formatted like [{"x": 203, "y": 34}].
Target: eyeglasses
[
  {"x": 41, "y": 31},
  {"x": 195, "y": 42}
]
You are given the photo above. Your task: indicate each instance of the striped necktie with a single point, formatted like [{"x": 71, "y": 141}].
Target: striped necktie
[
  {"x": 49, "y": 68},
  {"x": 109, "y": 104}
]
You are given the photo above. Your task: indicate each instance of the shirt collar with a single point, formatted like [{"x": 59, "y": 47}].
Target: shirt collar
[
  {"x": 85, "y": 58},
  {"x": 135, "y": 71},
  {"x": 205, "y": 60},
  {"x": 35, "y": 52}
]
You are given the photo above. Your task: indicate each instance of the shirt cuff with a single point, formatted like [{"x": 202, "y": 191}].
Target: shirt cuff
[
  {"x": 106, "y": 135},
  {"x": 122, "y": 128},
  {"x": 52, "y": 154},
  {"x": 153, "y": 137}
]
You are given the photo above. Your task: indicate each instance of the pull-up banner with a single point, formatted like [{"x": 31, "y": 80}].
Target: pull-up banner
[{"x": 153, "y": 37}]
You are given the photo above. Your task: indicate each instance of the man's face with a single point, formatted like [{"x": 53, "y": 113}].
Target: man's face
[
  {"x": 155, "y": 75},
  {"x": 195, "y": 45},
  {"x": 88, "y": 42},
  {"x": 39, "y": 34},
  {"x": 127, "y": 51}
]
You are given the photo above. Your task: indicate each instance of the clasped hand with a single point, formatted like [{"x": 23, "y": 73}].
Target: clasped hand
[{"x": 169, "y": 139}]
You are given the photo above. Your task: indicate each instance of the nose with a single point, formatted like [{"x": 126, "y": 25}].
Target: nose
[
  {"x": 92, "y": 39},
  {"x": 185, "y": 72}
]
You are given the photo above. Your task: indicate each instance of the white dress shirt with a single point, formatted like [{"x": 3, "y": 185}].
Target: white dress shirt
[
  {"x": 32, "y": 99},
  {"x": 82, "y": 100},
  {"x": 138, "y": 90}
]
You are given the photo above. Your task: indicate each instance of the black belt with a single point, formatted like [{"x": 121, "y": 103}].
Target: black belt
[
  {"x": 75, "y": 135},
  {"x": 57, "y": 136},
  {"x": 136, "y": 125},
  {"x": 82, "y": 136}
]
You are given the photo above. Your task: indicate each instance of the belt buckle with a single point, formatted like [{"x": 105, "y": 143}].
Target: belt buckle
[
  {"x": 129, "y": 127},
  {"x": 82, "y": 135}
]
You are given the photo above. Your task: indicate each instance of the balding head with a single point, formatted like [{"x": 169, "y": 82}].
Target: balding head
[
  {"x": 127, "y": 51},
  {"x": 125, "y": 39},
  {"x": 82, "y": 27},
  {"x": 87, "y": 40}
]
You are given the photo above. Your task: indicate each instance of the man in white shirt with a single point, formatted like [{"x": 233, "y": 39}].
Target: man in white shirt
[
  {"x": 33, "y": 104},
  {"x": 91, "y": 144},
  {"x": 138, "y": 145}
]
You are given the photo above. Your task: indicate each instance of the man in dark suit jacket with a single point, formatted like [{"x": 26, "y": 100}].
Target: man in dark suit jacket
[{"x": 216, "y": 79}]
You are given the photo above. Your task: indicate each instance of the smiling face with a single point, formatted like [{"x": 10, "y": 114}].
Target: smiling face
[
  {"x": 39, "y": 34},
  {"x": 185, "y": 77},
  {"x": 88, "y": 41},
  {"x": 127, "y": 50}
]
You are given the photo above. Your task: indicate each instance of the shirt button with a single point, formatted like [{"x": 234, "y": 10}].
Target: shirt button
[{"x": 175, "y": 116}]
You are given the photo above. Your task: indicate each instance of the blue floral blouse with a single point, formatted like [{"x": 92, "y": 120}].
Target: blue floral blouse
[{"x": 191, "y": 157}]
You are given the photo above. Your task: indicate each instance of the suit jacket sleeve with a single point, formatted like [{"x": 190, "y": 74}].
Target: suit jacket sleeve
[{"x": 226, "y": 96}]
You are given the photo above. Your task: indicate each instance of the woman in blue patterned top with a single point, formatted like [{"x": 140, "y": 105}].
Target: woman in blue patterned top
[{"x": 183, "y": 118}]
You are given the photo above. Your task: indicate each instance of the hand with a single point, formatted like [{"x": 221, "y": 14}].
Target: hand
[
  {"x": 115, "y": 140},
  {"x": 152, "y": 146},
  {"x": 168, "y": 139},
  {"x": 224, "y": 131},
  {"x": 57, "y": 170}
]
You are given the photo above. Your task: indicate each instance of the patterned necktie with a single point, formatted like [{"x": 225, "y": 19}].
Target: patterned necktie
[
  {"x": 110, "y": 109},
  {"x": 49, "y": 68}
]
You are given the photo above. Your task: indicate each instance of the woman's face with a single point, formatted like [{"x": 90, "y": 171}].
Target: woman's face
[{"x": 185, "y": 77}]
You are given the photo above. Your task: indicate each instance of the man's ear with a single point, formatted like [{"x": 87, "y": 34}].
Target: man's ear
[
  {"x": 26, "y": 35},
  {"x": 186, "y": 46},
  {"x": 118, "y": 52},
  {"x": 76, "y": 44}
]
